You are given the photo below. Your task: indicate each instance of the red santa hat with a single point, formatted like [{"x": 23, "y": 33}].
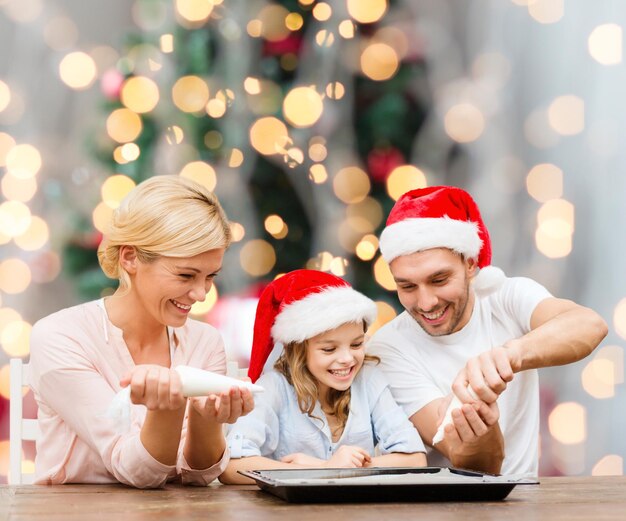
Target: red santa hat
[
  {"x": 300, "y": 305},
  {"x": 441, "y": 217}
]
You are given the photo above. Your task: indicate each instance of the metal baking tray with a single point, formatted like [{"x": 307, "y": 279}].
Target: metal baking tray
[{"x": 397, "y": 484}]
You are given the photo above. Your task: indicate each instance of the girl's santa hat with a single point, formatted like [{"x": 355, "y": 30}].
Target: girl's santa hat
[
  {"x": 441, "y": 217},
  {"x": 300, "y": 305}
]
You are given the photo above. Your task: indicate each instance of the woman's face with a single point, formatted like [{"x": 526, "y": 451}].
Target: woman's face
[
  {"x": 167, "y": 287},
  {"x": 335, "y": 357}
]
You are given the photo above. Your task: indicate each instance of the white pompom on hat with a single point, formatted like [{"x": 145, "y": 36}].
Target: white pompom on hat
[
  {"x": 301, "y": 305},
  {"x": 441, "y": 217}
]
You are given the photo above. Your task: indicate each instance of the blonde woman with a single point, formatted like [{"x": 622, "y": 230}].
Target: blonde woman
[
  {"x": 326, "y": 404},
  {"x": 165, "y": 246}
]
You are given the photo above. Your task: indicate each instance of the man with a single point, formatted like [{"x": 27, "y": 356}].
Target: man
[{"x": 470, "y": 330}]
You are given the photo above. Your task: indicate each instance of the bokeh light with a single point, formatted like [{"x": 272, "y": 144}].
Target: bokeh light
[
  {"x": 619, "y": 318},
  {"x": 404, "y": 178},
  {"x": 15, "y": 218},
  {"x": 23, "y": 161},
  {"x": 16, "y": 189},
  {"x": 35, "y": 237},
  {"x": 302, "y": 107},
  {"x": 236, "y": 158},
  {"x": 194, "y": 11},
  {"x": 6, "y": 143},
  {"x": 464, "y": 122},
  {"x": 379, "y": 61},
  {"x": 124, "y": 125},
  {"x": 322, "y": 11},
  {"x": 101, "y": 217},
  {"x": 566, "y": 115},
  {"x": 15, "y": 338},
  {"x": 318, "y": 174},
  {"x": 5, "y": 96},
  {"x": 545, "y": 182},
  {"x": 115, "y": 188},
  {"x": 238, "y": 232},
  {"x": 78, "y": 70},
  {"x": 555, "y": 228},
  {"x": 546, "y": 11},
  {"x": 609, "y": 465},
  {"x": 598, "y": 378},
  {"x": 200, "y": 172},
  {"x": 266, "y": 135},
  {"x": 166, "y": 43},
  {"x": 15, "y": 276},
  {"x": 140, "y": 94},
  {"x": 190, "y": 94},
  {"x": 385, "y": 313},
  {"x": 273, "y": 25},
  {"x": 257, "y": 257},
  {"x": 383, "y": 275},
  {"x": 367, "y": 11},
  {"x": 605, "y": 44},
  {"x": 351, "y": 184},
  {"x": 568, "y": 423},
  {"x": 367, "y": 247}
]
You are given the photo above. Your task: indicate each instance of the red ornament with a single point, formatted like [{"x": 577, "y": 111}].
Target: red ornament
[
  {"x": 111, "y": 84},
  {"x": 382, "y": 161},
  {"x": 291, "y": 44}
]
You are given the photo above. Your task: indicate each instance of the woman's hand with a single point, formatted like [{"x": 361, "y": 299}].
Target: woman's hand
[
  {"x": 349, "y": 456},
  {"x": 226, "y": 407},
  {"x": 158, "y": 388}
]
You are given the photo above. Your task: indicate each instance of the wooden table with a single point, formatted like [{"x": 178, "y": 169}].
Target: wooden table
[{"x": 587, "y": 498}]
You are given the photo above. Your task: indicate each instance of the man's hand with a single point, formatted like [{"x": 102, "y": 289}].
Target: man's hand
[
  {"x": 474, "y": 427},
  {"x": 487, "y": 374}
]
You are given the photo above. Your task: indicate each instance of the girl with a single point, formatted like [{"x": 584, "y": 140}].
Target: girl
[
  {"x": 165, "y": 245},
  {"x": 325, "y": 404}
]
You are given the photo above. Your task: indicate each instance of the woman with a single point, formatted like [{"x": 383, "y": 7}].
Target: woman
[{"x": 165, "y": 245}]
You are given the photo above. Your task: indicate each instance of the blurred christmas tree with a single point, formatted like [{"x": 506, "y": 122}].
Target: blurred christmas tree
[{"x": 302, "y": 116}]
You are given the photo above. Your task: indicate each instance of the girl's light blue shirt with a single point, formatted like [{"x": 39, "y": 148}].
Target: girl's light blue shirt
[{"x": 277, "y": 427}]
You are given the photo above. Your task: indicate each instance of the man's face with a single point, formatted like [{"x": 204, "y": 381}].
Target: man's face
[{"x": 433, "y": 286}]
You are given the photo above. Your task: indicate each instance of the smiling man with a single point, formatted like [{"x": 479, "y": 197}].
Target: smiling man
[{"x": 470, "y": 331}]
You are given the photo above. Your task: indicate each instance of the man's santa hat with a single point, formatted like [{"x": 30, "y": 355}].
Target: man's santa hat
[
  {"x": 441, "y": 217},
  {"x": 301, "y": 305}
]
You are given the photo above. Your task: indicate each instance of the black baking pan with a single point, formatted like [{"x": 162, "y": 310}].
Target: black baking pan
[{"x": 394, "y": 484}]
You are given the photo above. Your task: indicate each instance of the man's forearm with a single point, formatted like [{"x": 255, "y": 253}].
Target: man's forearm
[{"x": 567, "y": 337}]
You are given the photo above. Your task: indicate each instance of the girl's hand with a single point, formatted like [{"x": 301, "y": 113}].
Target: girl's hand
[
  {"x": 158, "y": 388},
  {"x": 226, "y": 407},
  {"x": 300, "y": 458},
  {"x": 349, "y": 456}
]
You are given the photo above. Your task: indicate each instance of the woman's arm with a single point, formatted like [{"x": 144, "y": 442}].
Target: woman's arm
[
  {"x": 231, "y": 477},
  {"x": 205, "y": 443}
]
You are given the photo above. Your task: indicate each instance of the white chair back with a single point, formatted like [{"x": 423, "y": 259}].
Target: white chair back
[{"x": 20, "y": 429}]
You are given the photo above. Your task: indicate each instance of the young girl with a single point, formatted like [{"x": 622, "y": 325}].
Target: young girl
[{"x": 325, "y": 404}]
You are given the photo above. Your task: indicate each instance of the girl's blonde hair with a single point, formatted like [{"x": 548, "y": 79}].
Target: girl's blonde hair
[
  {"x": 292, "y": 365},
  {"x": 164, "y": 216}
]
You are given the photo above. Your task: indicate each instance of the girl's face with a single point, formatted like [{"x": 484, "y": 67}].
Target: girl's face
[
  {"x": 335, "y": 357},
  {"x": 168, "y": 287}
]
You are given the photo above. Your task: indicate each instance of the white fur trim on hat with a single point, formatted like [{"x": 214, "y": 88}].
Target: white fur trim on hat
[
  {"x": 488, "y": 280},
  {"x": 418, "y": 234},
  {"x": 320, "y": 312}
]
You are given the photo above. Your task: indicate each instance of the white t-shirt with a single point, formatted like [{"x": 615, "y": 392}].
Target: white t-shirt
[{"x": 421, "y": 368}]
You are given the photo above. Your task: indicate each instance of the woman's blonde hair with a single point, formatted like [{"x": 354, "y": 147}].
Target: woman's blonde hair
[
  {"x": 164, "y": 216},
  {"x": 292, "y": 365}
]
